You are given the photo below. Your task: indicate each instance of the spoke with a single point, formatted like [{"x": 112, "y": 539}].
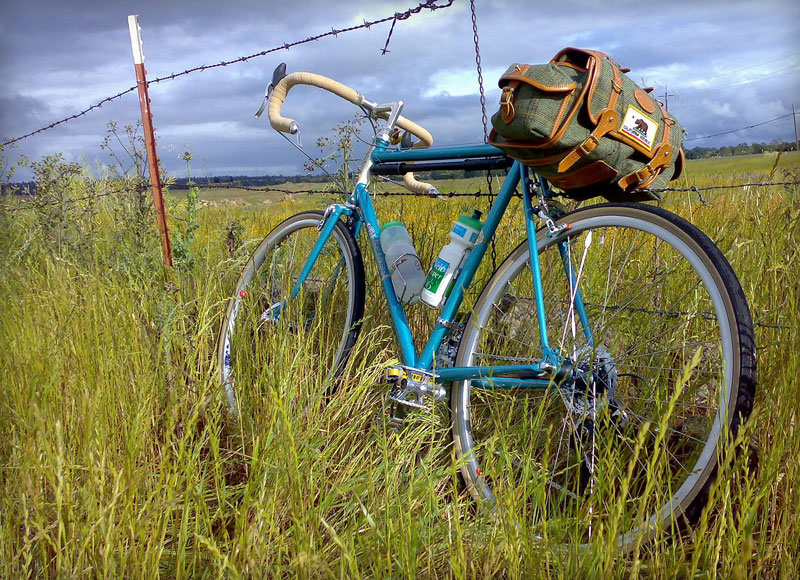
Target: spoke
[
  {"x": 621, "y": 269},
  {"x": 608, "y": 271},
  {"x": 505, "y": 358},
  {"x": 666, "y": 350},
  {"x": 667, "y": 427},
  {"x": 652, "y": 400},
  {"x": 509, "y": 401},
  {"x": 675, "y": 369},
  {"x": 505, "y": 337},
  {"x": 633, "y": 453},
  {"x": 623, "y": 308},
  {"x": 560, "y": 441},
  {"x": 645, "y": 334}
]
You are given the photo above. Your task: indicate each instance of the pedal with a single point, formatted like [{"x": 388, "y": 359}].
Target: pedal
[{"x": 411, "y": 389}]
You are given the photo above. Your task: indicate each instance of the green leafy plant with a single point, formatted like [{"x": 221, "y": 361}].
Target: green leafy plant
[
  {"x": 338, "y": 152},
  {"x": 184, "y": 235}
]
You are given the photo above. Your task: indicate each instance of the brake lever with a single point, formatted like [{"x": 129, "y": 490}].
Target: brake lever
[
  {"x": 267, "y": 94},
  {"x": 277, "y": 75}
]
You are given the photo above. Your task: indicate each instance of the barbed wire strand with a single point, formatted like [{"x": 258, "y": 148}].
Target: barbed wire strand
[
  {"x": 475, "y": 194},
  {"x": 427, "y": 5},
  {"x": 756, "y": 322},
  {"x": 741, "y": 129}
]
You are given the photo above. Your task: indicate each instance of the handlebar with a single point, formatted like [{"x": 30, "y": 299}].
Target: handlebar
[{"x": 287, "y": 125}]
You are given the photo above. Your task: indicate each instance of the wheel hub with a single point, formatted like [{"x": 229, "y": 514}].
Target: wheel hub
[{"x": 593, "y": 388}]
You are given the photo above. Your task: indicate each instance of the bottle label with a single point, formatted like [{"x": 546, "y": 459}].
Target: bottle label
[
  {"x": 459, "y": 230},
  {"x": 457, "y": 273},
  {"x": 436, "y": 274}
]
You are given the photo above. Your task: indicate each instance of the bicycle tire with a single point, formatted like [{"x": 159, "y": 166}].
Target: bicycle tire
[
  {"x": 571, "y": 461},
  {"x": 262, "y": 327}
]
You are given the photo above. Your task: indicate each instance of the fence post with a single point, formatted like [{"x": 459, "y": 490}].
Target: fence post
[{"x": 149, "y": 136}]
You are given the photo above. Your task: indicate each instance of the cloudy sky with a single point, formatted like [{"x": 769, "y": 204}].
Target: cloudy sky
[{"x": 725, "y": 65}]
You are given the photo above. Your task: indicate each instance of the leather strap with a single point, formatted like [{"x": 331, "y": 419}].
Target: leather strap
[
  {"x": 507, "y": 110},
  {"x": 596, "y": 172},
  {"x": 645, "y": 175},
  {"x": 668, "y": 123},
  {"x": 616, "y": 85},
  {"x": 607, "y": 122}
]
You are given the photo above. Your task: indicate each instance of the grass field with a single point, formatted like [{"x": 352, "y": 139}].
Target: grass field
[{"x": 118, "y": 460}]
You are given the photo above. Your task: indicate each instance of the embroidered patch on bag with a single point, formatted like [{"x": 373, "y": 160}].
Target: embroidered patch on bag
[{"x": 639, "y": 127}]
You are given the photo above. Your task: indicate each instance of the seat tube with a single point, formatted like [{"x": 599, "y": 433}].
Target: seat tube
[{"x": 533, "y": 251}]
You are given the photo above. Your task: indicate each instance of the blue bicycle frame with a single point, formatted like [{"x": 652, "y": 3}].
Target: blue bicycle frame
[{"x": 362, "y": 213}]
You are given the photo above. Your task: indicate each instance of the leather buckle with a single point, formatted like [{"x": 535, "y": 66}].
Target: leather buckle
[
  {"x": 507, "y": 111},
  {"x": 606, "y": 123},
  {"x": 506, "y": 96},
  {"x": 644, "y": 175}
]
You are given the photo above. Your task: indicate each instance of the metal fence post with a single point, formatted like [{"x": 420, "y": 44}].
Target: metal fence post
[{"x": 149, "y": 136}]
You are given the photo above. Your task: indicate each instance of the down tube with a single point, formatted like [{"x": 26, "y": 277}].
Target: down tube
[{"x": 457, "y": 295}]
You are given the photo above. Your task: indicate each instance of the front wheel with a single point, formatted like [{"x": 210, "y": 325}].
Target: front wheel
[
  {"x": 272, "y": 321},
  {"x": 659, "y": 373}
]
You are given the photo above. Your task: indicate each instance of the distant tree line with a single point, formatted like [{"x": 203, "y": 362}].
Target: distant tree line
[
  {"x": 740, "y": 149},
  {"x": 181, "y": 183},
  {"x": 245, "y": 181}
]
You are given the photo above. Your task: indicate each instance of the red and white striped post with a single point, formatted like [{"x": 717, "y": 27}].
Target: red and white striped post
[{"x": 149, "y": 136}]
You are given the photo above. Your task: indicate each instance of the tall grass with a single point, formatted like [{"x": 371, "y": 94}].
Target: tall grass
[{"x": 118, "y": 459}]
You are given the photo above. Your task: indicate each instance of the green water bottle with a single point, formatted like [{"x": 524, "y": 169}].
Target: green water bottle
[{"x": 445, "y": 270}]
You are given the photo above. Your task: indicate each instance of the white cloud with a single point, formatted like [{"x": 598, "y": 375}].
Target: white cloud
[
  {"x": 50, "y": 70},
  {"x": 460, "y": 82}
]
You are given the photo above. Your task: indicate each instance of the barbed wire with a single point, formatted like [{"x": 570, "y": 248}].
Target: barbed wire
[
  {"x": 70, "y": 118},
  {"x": 450, "y": 194},
  {"x": 706, "y": 315},
  {"x": 477, "y": 194},
  {"x": 427, "y": 5},
  {"x": 267, "y": 189},
  {"x": 741, "y": 128},
  {"x": 480, "y": 193}
]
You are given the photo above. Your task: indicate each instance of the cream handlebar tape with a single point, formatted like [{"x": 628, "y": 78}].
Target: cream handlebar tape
[
  {"x": 284, "y": 124},
  {"x": 287, "y": 125},
  {"x": 280, "y": 91},
  {"x": 415, "y": 186}
]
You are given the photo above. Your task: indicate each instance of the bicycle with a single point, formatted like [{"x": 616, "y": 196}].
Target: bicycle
[{"x": 597, "y": 379}]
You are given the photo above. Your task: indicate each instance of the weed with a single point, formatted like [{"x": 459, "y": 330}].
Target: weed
[{"x": 118, "y": 459}]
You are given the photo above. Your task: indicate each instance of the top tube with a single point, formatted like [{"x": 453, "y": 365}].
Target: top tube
[{"x": 436, "y": 153}]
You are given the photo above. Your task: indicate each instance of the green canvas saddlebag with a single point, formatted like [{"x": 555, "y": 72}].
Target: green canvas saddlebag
[{"x": 587, "y": 128}]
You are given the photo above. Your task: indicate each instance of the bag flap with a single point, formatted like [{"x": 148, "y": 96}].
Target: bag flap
[
  {"x": 556, "y": 84},
  {"x": 547, "y": 78},
  {"x": 604, "y": 78}
]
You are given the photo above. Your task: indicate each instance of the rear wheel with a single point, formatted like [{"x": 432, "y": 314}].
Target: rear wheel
[
  {"x": 271, "y": 322},
  {"x": 626, "y": 444}
]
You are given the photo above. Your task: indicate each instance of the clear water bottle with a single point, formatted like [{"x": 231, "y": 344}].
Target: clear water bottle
[
  {"x": 445, "y": 270},
  {"x": 403, "y": 262}
]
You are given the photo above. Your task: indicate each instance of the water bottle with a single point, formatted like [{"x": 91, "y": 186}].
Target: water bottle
[
  {"x": 445, "y": 270},
  {"x": 403, "y": 262}
]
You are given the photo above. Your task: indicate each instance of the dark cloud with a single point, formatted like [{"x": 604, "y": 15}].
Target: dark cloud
[{"x": 57, "y": 58}]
